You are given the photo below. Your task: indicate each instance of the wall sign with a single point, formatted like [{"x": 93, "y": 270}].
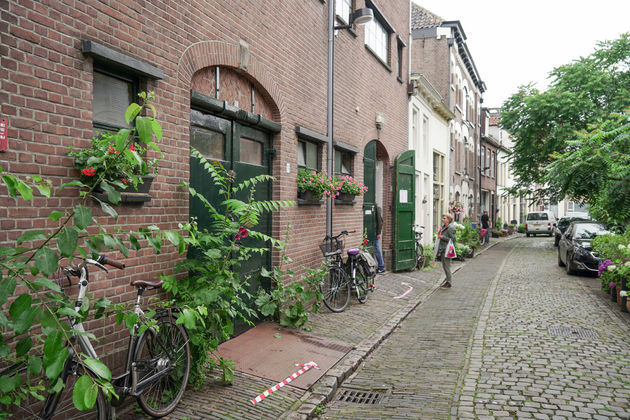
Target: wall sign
[{"x": 3, "y": 134}]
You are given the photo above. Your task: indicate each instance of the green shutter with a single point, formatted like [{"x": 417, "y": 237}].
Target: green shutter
[{"x": 404, "y": 213}]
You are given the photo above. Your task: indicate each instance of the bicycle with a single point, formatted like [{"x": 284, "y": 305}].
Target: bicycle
[
  {"x": 155, "y": 372},
  {"x": 353, "y": 274},
  {"x": 419, "y": 249}
]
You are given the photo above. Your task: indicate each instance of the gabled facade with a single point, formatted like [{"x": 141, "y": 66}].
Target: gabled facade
[
  {"x": 440, "y": 53},
  {"x": 429, "y": 136}
]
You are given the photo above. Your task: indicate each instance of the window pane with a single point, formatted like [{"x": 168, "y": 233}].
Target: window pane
[
  {"x": 311, "y": 155},
  {"x": 342, "y": 9},
  {"x": 209, "y": 143},
  {"x": 251, "y": 151},
  {"x": 112, "y": 96},
  {"x": 301, "y": 153},
  {"x": 342, "y": 162}
]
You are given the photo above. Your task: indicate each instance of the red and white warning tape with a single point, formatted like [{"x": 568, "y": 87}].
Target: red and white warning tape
[{"x": 306, "y": 366}]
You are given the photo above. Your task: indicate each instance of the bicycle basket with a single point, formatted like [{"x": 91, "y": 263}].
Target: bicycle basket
[{"x": 331, "y": 247}]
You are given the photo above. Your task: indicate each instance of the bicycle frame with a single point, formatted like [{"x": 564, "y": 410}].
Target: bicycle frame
[{"x": 129, "y": 379}]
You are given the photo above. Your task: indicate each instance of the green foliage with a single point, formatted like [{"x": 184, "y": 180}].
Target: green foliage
[
  {"x": 36, "y": 309},
  {"x": 116, "y": 159},
  {"x": 211, "y": 293},
  {"x": 467, "y": 235},
  {"x": 595, "y": 169},
  {"x": 521, "y": 228},
  {"x": 286, "y": 303},
  {"x": 544, "y": 124}
]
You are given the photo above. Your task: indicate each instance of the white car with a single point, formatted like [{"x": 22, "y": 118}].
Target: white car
[{"x": 540, "y": 223}]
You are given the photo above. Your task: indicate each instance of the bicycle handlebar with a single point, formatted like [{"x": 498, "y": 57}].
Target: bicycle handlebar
[
  {"x": 343, "y": 233},
  {"x": 109, "y": 261}
]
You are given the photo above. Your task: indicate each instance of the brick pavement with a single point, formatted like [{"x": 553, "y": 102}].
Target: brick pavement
[{"x": 522, "y": 340}]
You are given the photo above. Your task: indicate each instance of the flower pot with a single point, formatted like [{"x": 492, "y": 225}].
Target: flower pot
[
  {"x": 613, "y": 294},
  {"x": 618, "y": 295},
  {"x": 345, "y": 198},
  {"x": 627, "y": 304},
  {"x": 624, "y": 304},
  {"x": 308, "y": 197},
  {"x": 130, "y": 195}
]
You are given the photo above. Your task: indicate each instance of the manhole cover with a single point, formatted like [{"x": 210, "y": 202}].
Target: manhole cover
[
  {"x": 360, "y": 397},
  {"x": 573, "y": 332}
]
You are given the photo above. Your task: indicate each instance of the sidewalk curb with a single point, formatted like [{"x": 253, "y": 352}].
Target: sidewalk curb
[{"x": 326, "y": 387}]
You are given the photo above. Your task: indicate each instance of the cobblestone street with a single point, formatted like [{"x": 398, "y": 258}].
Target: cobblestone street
[{"x": 515, "y": 337}]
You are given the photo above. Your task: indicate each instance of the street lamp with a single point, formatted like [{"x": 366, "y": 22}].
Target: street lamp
[{"x": 358, "y": 17}]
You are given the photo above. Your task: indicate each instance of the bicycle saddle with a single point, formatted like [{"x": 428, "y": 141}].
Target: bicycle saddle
[
  {"x": 147, "y": 283},
  {"x": 353, "y": 251}
]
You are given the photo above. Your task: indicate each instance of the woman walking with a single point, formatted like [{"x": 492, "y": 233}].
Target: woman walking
[{"x": 447, "y": 232}]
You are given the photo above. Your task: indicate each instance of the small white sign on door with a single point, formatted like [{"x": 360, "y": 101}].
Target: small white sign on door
[{"x": 402, "y": 196}]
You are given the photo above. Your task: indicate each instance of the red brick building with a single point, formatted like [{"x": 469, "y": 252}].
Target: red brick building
[{"x": 245, "y": 82}]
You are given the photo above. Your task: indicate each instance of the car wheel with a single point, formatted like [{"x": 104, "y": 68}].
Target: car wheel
[
  {"x": 570, "y": 269},
  {"x": 550, "y": 235},
  {"x": 560, "y": 263},
  {"x": 527, "y": 234}
]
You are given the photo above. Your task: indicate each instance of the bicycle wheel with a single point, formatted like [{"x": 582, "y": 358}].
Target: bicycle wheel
[
  {"x": 336, "y": 289},
  {"x": 51, "y": 406},
  {"x": 164, "y": 348},
  {"x": 419, "y": 257},
  {"x": 362, "y": 282}
]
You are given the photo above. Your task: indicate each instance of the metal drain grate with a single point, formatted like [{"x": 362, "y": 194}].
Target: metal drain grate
[
  {"x": 573, "y": 332},
  {"x": 360, "y": 397}
]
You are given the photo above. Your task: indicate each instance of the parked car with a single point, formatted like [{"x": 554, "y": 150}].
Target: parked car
[
  {"x": 539, "y": 223},
  {"x": 574, "y": 249},
  {"x": 562, "y": 225}
]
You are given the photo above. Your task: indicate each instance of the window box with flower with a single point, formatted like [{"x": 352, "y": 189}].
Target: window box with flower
[
  {"x": 314, "y": 186},
  {"x": 347, "y": 189},
  {"x": 114, "y": 168}
]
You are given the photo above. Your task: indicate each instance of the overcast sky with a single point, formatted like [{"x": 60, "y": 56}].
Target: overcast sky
[{"x": 514, "y": 42}]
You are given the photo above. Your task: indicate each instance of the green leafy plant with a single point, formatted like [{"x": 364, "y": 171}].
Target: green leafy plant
[
  {"x": 35, "y": 306},
  {"x": 118, "y": 158},
  {"x": 211, "y": 292},
  {"x": 467, "y": 235},
  {"x": 287, "y": 303}
]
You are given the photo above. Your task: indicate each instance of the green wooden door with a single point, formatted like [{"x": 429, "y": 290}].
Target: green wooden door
[
  {"x": 245, "y": 151},
  {"x": 404, "y": 213},
  {"x": 369, "y": 198}
]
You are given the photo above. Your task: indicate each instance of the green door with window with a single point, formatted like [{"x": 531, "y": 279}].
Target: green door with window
[
  {"x": 246, "y": 152},
  {"x": 404, "y": 213},
  {"x": 369, "y": 198}
]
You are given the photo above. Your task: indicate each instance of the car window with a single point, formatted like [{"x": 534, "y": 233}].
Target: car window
[
  {"x": 588, "y": 230},
  {"x": 537, "y": 216}
]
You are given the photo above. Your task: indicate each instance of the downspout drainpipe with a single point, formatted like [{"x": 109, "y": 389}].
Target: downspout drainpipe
[{"x": 329, "y": 113}]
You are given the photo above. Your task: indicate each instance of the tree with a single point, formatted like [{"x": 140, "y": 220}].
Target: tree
[
  {"x": 544, "y": 124},
  {"x": 595, "y": 168}
]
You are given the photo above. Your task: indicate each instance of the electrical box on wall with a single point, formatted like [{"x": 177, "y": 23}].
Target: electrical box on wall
[{"x": 3, "y": 134}]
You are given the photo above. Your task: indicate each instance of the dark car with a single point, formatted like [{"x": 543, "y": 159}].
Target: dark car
[
  {"x": 574, "y": 247},
  {"x": 562, "y": 225}
]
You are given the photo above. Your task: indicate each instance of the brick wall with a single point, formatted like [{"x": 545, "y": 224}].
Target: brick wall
[{"x": 46, "y": 95}]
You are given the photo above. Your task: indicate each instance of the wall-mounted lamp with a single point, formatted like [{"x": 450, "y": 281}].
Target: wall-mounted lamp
[
  {"x": 379, "y": 121},
  {"x": 358, "y": 17}
]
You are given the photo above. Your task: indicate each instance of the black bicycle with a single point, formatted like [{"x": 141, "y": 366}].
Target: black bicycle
[
  {"x": 344, "y": 276},
  {"x": 419, "y": 249},
  {"x": 155, "y": 373}
]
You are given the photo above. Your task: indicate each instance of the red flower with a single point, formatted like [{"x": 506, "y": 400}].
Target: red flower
[
  {"x": 88, "y": 171},
  {"x": 242, "y": 232},
  {"x": 132, "y": 148},
  {"x": 124, "y": 180},
  {"x": 113, "y": 150}
]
